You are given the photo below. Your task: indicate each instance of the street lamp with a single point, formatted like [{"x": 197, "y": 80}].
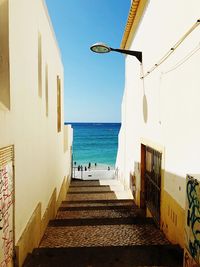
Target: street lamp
[{"x": 103, "y": 48}]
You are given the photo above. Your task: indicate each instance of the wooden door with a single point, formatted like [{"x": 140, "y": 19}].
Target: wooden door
[{"x": 153, "y": 182}]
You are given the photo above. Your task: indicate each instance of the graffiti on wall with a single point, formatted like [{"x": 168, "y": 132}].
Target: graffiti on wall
[
  {"x": 6, "y": 215},
  {"x": 193, "y": 218},
  {"x": 189, "y": 261}
]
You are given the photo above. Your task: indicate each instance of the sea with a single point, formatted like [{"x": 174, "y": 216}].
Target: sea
[{"x": 95, "y": 143}]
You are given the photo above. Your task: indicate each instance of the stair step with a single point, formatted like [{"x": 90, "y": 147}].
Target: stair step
[
  {"x": 140, "y": 256},
  {"x": 92, "y": 196},
  {"x": 95, "y": 229},
  {"x": 99, "y": 212},
  {"x": 94, "y": 204},
  {"x": 97, "y": 206},
  {"x": 113, "y": 202},
  {"x": 90, "y": 192},
  {"x": 85, "y": 183},
  {"x": 79, "y": 185},
  {"x": 103, "y": 235},
  {"x": 100, "y": 221}
]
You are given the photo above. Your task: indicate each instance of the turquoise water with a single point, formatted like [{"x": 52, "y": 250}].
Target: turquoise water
[{"x": 95, "y": 143}]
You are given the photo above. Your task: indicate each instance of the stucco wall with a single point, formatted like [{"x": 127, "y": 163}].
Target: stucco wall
[
  {"x": 40, "y": 161},
  {"x": 172, "y": 97}
]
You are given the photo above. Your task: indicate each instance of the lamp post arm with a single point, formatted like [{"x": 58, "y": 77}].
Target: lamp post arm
[{"x": 137, "y": 54}]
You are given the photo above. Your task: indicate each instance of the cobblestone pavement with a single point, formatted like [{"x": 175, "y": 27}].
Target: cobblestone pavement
[
  {"x": 89, "y": 189},
  {"x": 91, "y": 196},
  {"x": 97, "y": 203},
  {"x": 128, "y": 256},
  {"x": 95, "y": 229},
  {"x": 103, "y": 235},
  {"x": 97, "y": 213},
  {"x": 84, "y": 183}
]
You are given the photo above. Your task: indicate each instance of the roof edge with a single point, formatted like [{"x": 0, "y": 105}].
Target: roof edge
[
  {"x": 135, "y": 14},
  {"x": 52, "y": 29}
]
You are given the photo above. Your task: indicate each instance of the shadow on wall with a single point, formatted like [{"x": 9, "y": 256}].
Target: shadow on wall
[{"x": 145, "y": 108}]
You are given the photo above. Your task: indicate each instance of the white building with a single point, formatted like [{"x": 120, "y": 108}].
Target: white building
[
  {"x": 35, "y": 147},
  {"x": 159, "y": 141}
]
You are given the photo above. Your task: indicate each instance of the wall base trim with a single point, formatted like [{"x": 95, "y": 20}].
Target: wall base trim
[
  {"x": 30, "y": 237},
  {"x": 172, "y": 219}
]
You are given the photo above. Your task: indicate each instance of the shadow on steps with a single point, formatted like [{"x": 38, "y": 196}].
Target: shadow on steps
[
  {"x": 102, "y": 233},
  {"x": 167, "y": 255}
]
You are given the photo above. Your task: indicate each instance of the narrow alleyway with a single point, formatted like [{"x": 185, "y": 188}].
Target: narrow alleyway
[{"x": 93, "y": 228}]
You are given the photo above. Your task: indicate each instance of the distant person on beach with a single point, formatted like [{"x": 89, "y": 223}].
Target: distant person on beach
[
  {"x": 78, "y": 167},
  {"x": 85, "y": 168},
  {"x": 95, "y": 164},
  {"x": 89, "y": 165},
  {"x": 108, "y": 168},
  {"x": 81, "y": 167}
]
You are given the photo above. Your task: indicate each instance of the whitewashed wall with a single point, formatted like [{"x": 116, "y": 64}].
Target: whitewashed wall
[
  {"x": 172, "y": 97},
  {"x": 40, "y": 160}
]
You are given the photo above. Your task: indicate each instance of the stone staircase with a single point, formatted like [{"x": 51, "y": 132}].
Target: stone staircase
[{"x": 94, "y": 228}]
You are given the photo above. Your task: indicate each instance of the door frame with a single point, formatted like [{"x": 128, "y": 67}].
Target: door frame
[{"x": 143, "y": 180}]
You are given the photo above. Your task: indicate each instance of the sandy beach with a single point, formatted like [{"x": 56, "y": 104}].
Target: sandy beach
[{"x": 99, "y": 172}]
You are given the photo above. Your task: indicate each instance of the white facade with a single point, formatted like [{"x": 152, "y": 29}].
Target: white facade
[
  {"x": 162, "y": 110},
  {"x": 42, "y": 148}
]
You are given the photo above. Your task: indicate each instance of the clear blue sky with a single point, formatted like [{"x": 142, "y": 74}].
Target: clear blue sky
[{"x": 94, "y": 83}]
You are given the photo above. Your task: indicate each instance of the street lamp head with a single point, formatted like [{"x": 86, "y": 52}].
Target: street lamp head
[
  {"x": 100, "y": 48},
  {"x": 103, "y": 48}
]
